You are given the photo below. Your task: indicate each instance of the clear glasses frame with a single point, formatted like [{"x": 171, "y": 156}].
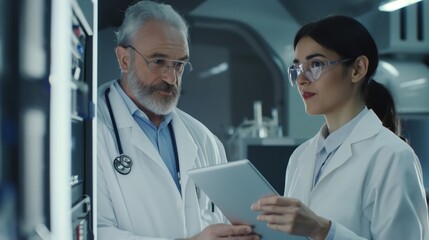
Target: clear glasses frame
[
  {"x": 312, "y": 69},
  {"x": 163, "y": 65}
]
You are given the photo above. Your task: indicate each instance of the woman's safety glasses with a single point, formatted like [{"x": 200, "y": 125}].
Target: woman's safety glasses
[{"x": 312, "y": 69}]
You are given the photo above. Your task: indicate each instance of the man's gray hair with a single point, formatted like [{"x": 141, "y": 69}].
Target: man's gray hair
[{"x": 138, "y": 14}]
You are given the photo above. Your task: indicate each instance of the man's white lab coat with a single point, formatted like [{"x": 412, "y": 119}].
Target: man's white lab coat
[{"x": 146, "y": 203}]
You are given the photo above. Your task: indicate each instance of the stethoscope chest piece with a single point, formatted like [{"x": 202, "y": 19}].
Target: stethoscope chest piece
[{"x": 123, "y": 164}]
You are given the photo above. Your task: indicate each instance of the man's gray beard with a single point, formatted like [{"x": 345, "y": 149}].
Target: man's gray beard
[{"x": 161, "y": 104}]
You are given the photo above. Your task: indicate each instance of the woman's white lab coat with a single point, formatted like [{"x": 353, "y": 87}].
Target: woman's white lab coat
[
  {"x": 372, "y": 187},
  {"x": 146, "y": 203}
]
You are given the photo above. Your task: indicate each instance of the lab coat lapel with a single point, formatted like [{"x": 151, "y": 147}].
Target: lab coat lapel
[
  {"x": 303, "y": 176},
  {"x": 367, "y": 127},
  {"x": 142, "y": 142},
  {"x": 129, "y": 129},
  {"x": 186, "y": 147},
  {"x": 342, "y": 155}
]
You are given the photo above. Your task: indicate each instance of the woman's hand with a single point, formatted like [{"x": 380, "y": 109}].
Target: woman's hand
[
  {"x": 291, "y": 216},
  {"x": 226, "y": 232}
]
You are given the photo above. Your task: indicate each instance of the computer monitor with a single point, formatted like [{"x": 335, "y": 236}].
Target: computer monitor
[{"x": 270, "y": 156}]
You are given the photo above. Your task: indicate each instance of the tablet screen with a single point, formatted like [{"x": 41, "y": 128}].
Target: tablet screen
[{"x": 234, "y": 187}]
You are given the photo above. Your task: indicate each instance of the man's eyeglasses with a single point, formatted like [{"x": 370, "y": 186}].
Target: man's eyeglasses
[
  {"x": 163, "y": 65},
  {"x": 312, "y": 69}
]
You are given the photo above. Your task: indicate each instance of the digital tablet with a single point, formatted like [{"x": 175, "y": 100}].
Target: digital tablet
[{"x": 234, "y": 187}]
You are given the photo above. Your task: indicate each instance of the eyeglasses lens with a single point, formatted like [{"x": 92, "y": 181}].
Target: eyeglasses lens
[
  {"x": 293, "y": 75},
  {"x": 314, "y": 73},
  {"x": 311, "y": 74},
  {"x": 164, "y": 65}
]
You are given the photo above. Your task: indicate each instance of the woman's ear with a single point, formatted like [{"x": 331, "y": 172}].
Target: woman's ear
[
  {"x": 123, "y": 57},
  {"x": 360, "y": 68}
]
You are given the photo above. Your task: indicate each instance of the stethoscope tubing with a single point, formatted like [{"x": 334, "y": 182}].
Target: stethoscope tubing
[
  {"x": 122, "y": 163},
  {"x": 115, "y": 128}
]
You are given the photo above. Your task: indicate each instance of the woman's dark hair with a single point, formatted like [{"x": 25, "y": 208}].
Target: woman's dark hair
[{"x": 350, "y": 39}]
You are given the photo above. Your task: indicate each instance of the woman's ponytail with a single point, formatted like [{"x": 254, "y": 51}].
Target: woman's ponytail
[{"x": 378, "y": 98}]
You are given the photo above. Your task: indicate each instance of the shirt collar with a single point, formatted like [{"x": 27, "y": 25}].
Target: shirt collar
[
  {"x": 136, "y": 112},
  {"x": 335, "y": 139}
]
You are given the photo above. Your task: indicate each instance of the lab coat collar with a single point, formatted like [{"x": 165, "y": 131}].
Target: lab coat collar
[
  {"x": 186, "y": 147},
  {"x": 120, "y": 111},
  {"x": 366, "y": 128}
]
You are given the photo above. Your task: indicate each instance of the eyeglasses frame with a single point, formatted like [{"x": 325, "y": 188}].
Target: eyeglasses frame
[
  {"x": 166, "y": 67},
  {"x": 299, "y": 66}
]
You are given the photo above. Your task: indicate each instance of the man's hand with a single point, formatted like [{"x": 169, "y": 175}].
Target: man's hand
[{"x": 226, "y": 232}]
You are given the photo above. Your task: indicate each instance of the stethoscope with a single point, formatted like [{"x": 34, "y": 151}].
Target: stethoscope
[{"x": 121, "y": 163}]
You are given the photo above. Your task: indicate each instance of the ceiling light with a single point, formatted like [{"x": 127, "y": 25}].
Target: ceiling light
[
  {"x": 223, "y": 67},
  {"x": 392, "y": 5}
]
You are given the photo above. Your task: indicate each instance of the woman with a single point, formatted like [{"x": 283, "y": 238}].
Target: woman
[{"x": 356, "y": 179}]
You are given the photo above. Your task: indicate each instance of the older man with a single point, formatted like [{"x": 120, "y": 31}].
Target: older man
[{"x": 146, "y": 145}]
